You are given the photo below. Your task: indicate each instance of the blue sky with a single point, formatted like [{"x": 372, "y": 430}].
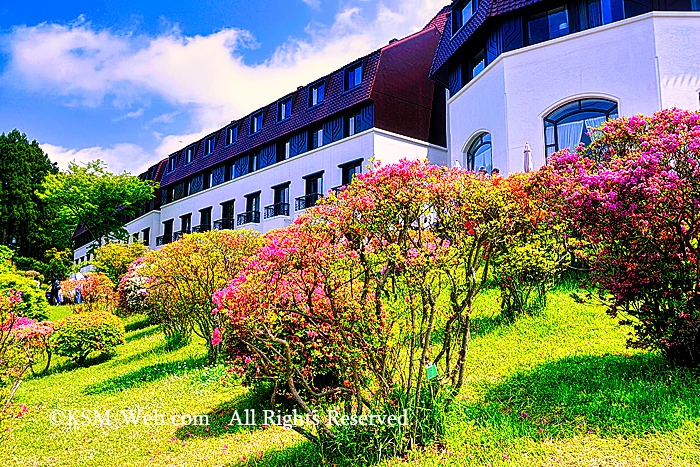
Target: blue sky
[{"x": 131, "y": 81}]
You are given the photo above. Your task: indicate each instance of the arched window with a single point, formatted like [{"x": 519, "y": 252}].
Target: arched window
[
  {"x": 479, "y": 153},
  {"x": 568, "y": 125}
]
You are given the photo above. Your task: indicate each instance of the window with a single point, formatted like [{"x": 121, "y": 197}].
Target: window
[
  {"x": 210, "y": 145},
  {"x": 351, "y": 124},
  {"x": 284, "y": 109},
  {"x": 186, "y": 223},
  {"x": 478, "y": 64},
  {"x": 317, "y": 93},
  {"x": 205, "y": 219},
  {"x": 146, "y": 235},
  {"x": 548, "y": 25},
  {"x": 590, "y": 14},
  {"x": 135, "y": 237},
  {"x": 256, "y": 122},
  {"x": 353, "y": 76},
  {"x": 227, "y": 210},
  {"x": 316, "y": 138},
  {"x": 231, "y": 135},
  {"x": 462, "y": 12},
  {"x": 314, "y": 184},
  {"x": 189, "y": 154},
  {"x": 349, "y": 170},
  {"x": 569, "y": 125},
  {"x": 284, "y": 150},
  {"x": 280, "y": 206},
  {"x": 281, "y": 193},
  {"x": 172, "y": 163},
  {"x": 479, "y": 153}
]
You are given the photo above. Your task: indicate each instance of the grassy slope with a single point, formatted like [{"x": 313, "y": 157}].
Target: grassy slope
[{"x": 555, "y": 389}]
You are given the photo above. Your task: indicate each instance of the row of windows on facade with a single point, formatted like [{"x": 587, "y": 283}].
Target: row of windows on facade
[
  {"x": 566, "y": 127},
  {"x": 313, "y": 189},
  {"x": 542, "y": 26},
  {"x": 316, "y": 136},
  {"x": 352, "y": 78}
]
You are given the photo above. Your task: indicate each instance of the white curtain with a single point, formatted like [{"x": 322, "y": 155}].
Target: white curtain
[
  {"x": 594, "y": 122},
  {"x": 569, "y": 134},
  {"x": 549, "y": 135}
]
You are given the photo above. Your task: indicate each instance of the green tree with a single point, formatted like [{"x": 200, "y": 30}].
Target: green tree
[
  {"x": 25, "y": 219},
  {"x": 89, "y": 195},
  {"x": 114, "y": 258}
]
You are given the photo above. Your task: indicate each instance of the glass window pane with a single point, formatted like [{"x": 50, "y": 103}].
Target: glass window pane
[
  {"x": 558, "y": 23},
  {"x": 537, "y": 30}
]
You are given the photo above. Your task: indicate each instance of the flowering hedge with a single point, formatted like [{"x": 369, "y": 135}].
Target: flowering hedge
[
  {"x": 14, "y": 363},
  {"x": 631, "y": 201},
  {"x": 97, "y": 293}
]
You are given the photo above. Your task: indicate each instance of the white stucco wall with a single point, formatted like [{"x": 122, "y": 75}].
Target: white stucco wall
[
  {"x": 372, "y": 144},
  {"x": 149, "y": 220},
  {"x": 644, "y": 63}
]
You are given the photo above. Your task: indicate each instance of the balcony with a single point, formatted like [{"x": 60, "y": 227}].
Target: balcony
[
  {"x": 338, "y": 189},
  {"x": 178, "y": 235},
  {"x": 249, "y": 217},
  {"x": 277, "y": 209},
  {"x": 164, "y": 240},
  {"x": 225, "y": 224},
  {"x": 202, "y": 228},
  {"x": 307, "y": 201}
]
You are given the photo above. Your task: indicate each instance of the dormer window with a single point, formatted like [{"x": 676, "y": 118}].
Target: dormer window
[
  {"x": 210, "y": 145},
  {"x": 256, "y": 122},
  {"x": 172, "y": 163},
  {"x": 317, "y": 93},
  {"x": 353, "y": 76},
  {"x": 284, "y": 109},
  {"x": 189, "y": 154},
  {"x": 462, "y": 13},
  {"x": 231, "y": 134}
]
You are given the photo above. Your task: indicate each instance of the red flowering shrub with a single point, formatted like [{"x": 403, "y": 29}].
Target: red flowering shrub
[
  {"x": 97, "y": 292},
  {"x": 180, "y": 279},
  {"x": 77, "y": 336},
  {"x": 631, "y": 199},
  {"x": 33, "y": 336},
  {"x": 365, "y": 302}
]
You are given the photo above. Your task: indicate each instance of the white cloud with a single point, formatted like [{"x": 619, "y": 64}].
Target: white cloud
[
  {"x": 135, "y": 114},
  {"x": 315, "y": 4},
  {"x": 166, "y": 117},
  {"x": 203, "y": 76},
  {"x": 120, "y": 157}
]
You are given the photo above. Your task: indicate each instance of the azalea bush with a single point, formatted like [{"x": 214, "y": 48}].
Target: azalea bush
[
  {"x": 181, "y": 278},
  {"x": 34, "y": 339},
  {"x": 365, "y": 302},
  {"x": 13, "y": 361},
  {"x": 631, "y": 201},
  {"x": 113, "y": 259},
  {"x": 79, "y": 335},
  {"x": 132, "y": 290},
  {"x": 97, "y": 292}
]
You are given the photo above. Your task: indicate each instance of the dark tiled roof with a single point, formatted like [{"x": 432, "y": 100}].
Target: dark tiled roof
[
  {"x": 487, "y": 9},
  {"x": 336, "y": 100}
]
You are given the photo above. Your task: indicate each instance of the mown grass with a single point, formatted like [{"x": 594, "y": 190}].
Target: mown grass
[{"x": 558, "y": 388}]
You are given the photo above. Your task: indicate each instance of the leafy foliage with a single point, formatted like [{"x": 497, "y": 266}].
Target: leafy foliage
[
  {"x": 24, "y": 216},
  {"x": 13, "y": 362},
  {"x": 77, "y": 336},
  {"x": 33, "y": 302},
  {"x": 91, "y": 196},
  {"x": 631, "y": 200},
  {"x": 114, "y": 258}
]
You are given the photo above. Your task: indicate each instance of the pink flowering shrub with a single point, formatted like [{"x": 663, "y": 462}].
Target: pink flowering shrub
[
  {"x": 354, "y": 302},
  {"x": 14, "y": 362},
  {"x": 97, "y": 292},
  {"x": 33, "y": 336},
  {"x": 180, "y": 279},
  {"x": 132, "y": 290},
  {"x": 631, "y": 202},
  {"x": 79, "y": 335}
]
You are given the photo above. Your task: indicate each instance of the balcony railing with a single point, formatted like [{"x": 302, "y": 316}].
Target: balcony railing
[
  {"x": 225, "y": 224},
  {"x": 277, "y": 209},
  {"x": 307, "y": 201},
  {"x": 337, "y": 189},
  {"x": 202, "y": 228},
  {"x": 249, "y": 217},
  {"x": 178, "y": 235},
  {"x": 164, "y": 240}
]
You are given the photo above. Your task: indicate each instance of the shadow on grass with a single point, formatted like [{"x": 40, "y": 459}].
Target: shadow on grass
[
  {"x": 145, "y": 375},
  {"x": 610, "y": 395},
  {"x": 137, "y": 323},
  {"x": 142, "y": 333},
  {"x": 222, "y": 419}
]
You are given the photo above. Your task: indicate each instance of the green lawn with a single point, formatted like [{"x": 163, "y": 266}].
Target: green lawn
[{"x": 557, "y": 389}]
